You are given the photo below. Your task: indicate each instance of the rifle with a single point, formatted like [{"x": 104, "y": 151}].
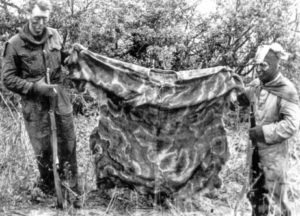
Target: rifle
[
  {"x": 256, "y": 176},
  {"x": 55, "y": 161}
]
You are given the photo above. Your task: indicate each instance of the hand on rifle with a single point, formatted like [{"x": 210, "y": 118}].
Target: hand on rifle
[
  {"x": 256, "y": 133},
  {"x": 43, "y": 89}
]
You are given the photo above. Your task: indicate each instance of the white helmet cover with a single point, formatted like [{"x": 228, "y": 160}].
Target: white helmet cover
[{"x": 263, "y": 50}]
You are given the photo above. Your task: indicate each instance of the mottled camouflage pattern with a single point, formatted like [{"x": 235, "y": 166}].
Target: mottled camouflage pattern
[{"x": 159, "y": 131}]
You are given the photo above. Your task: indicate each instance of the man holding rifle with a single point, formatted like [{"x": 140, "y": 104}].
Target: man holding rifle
[
  {"x": 35, "y": 50},
  {"x": 276, "y": 109}
]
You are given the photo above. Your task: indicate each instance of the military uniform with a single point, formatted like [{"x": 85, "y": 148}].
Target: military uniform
[
  {"x": 277, "y": 111},
  {"x": 25, "y": 61}
]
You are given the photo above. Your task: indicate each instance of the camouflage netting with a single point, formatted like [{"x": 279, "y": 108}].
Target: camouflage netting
[{"x": 159, "y": 131}]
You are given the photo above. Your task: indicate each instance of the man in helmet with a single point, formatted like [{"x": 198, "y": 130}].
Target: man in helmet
[{"x": 277, "y": 115}]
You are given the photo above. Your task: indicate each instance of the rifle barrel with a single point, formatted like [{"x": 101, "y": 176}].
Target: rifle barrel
[{"x": 55, "y": 161}]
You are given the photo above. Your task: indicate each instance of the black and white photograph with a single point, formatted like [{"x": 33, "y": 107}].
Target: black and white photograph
[{"x": 149, "y": 107}]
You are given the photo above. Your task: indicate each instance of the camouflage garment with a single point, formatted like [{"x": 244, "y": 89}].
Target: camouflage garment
[{"x": 160, "y": 132}]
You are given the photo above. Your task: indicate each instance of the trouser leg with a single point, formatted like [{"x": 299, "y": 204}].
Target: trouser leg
[
  {"x": 278, "y": 193},
  {"x": 275, "y": 161},
  {"x": 38, "y": 129},
  {"x": 67, "y": 148}
]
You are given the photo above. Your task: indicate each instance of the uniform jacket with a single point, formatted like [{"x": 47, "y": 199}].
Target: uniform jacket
[
  {"x": 25, "y": 61},
  {"x": 276, "y": 106}
]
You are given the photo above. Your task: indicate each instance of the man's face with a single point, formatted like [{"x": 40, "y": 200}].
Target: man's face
[
  {"x": 262, "y": 71},
  {"x": 267, "y": 70},
  {"x": 38, "y": 20}
]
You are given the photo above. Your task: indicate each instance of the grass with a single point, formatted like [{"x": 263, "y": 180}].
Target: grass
[{"x": 18, "y": 172}]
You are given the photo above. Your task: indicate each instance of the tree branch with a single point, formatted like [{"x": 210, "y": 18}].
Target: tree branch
[{"x": 4, "y": 4}]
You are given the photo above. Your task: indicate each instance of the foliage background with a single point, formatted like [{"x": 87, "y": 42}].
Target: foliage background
[
  {"x": 165, "y": 34},
  {"x": 171, "y": 34}
]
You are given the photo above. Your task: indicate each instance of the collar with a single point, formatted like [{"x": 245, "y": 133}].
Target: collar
[
  {"x": 28, "y": 38},
  {"x": 274, "y": 81},
  {"x": 283, "y": 88}
]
